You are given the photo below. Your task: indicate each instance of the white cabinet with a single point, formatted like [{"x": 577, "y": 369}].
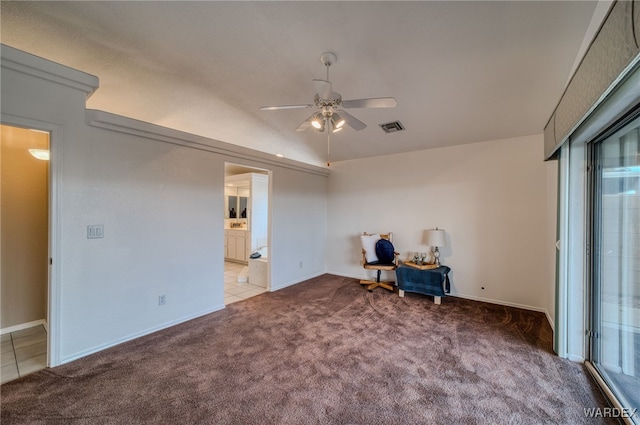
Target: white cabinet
[{"x": 237, "y": 243}]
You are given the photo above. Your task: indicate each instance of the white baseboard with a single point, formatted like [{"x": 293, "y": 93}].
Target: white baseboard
[
  {"x": 92, "y": 350},
  {"x": 25, "y": 326},
  {"x": 293, "y": 282},
  {"x": 508, "y": 304},
  {"x": 346, "y": 275},
  {"x": 474, "y": 298},
  {"x": 550, "y": 320},
  {"x": 499, "y": 302}
]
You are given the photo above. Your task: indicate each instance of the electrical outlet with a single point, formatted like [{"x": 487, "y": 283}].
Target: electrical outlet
[
  {"x": 300, "y": 264},
  {"x": 95, "y": 231},
  {"x": 162, "y": 299}
]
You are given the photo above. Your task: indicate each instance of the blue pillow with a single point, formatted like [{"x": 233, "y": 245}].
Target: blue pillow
[{"x": 385, "y": 252}]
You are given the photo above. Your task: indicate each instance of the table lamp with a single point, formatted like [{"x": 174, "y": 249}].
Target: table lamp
[{"x": 435, "y": 238}]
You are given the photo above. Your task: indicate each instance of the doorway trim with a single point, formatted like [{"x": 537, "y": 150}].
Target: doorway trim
[
  {"x": 250, "y": 167},
  {"x": 54, "y": 241}
]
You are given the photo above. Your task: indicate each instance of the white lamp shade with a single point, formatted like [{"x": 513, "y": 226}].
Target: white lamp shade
[{"x": 435, "y": 237}]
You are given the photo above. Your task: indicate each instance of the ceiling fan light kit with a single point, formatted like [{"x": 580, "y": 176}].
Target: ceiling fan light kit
[
  {"x": 330, "y": 114},
  {"x": 337, "y": 122},
  {"x": 318, "y": 121}
]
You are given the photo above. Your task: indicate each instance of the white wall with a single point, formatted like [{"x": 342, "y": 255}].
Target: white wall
[
  {"x": 163, "y": 226},
  {"x": 491, "y": 198},
  {"x": 162, "y": 208},
  {"x": 299, "y": 227}
]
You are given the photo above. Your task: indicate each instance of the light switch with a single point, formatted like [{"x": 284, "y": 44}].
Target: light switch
[{"x": 95, "y": 231}]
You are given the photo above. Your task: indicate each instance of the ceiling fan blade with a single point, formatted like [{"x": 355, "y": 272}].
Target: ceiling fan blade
[
  {"x": 306, "y": 124},
  {"x": 324, "y": 89},
  {"x": 375, "y": 102},
  {"x": 273, "y": 108},
  {"x": 352, "y": 121}
]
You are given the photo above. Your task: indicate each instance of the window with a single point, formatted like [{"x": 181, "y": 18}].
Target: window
[{"x": 615, "y": 292}]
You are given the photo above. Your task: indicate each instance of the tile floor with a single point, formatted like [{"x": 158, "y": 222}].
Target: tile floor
[
  {"x": 234, "y": 290},
  {"x": 23, "y": 352}
]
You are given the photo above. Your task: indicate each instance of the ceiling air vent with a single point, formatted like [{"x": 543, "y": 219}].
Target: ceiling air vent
[{"x": 392, "y": 127}]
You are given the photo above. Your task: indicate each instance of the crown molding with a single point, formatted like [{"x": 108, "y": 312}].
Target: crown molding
[
  {"x": 121, "y": 124},
  {"x": 26, "y": 63}
]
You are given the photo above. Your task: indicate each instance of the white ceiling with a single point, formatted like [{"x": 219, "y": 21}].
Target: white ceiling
[{"x": 462, "y": 72}]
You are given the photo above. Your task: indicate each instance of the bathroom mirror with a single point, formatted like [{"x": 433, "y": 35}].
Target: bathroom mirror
[
  {"x": 237, "y": 204},
  {"x": 242, "y": 207},
  {"x": 243, "y": 201},
  {"x": 232, "y": 207}
]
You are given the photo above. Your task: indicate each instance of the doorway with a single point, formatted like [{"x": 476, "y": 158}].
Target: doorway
[
  {"x": 24, "y": 251},
  {"x": 246, "y": 232}
]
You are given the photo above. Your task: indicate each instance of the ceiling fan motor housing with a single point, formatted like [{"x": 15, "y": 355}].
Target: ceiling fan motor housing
[{"x": 328, "y": 58}]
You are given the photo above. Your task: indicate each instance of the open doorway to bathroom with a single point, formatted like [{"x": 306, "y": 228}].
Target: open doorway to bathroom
[
  {"x": 246, "y": 232},
  {"x": 24, "y": 252}
]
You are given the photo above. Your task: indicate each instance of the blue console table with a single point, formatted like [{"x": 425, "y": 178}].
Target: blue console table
[{"x": 434, "y": 282}]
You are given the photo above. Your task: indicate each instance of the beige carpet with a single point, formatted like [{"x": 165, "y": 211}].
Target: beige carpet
[{"x": 324, "y": 351}]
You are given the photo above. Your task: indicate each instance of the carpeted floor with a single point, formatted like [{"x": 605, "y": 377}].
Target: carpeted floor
[{"x": 324, "y": 351}]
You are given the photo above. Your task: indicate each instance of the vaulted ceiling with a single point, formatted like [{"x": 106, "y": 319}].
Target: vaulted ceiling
[{"x": 462, "y": 72}]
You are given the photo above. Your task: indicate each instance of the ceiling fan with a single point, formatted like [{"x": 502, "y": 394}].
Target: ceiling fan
[{"x": 330, "y": 114}]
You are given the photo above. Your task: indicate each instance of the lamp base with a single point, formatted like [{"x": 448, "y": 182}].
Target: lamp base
[{"x": 436, "y": 256}]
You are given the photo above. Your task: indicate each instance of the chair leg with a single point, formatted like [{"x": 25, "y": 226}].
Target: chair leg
[
  {"x": 386, "y": 285},
  {"x": 373, "y": 285},
  {"x": 368, "y": 282}
]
